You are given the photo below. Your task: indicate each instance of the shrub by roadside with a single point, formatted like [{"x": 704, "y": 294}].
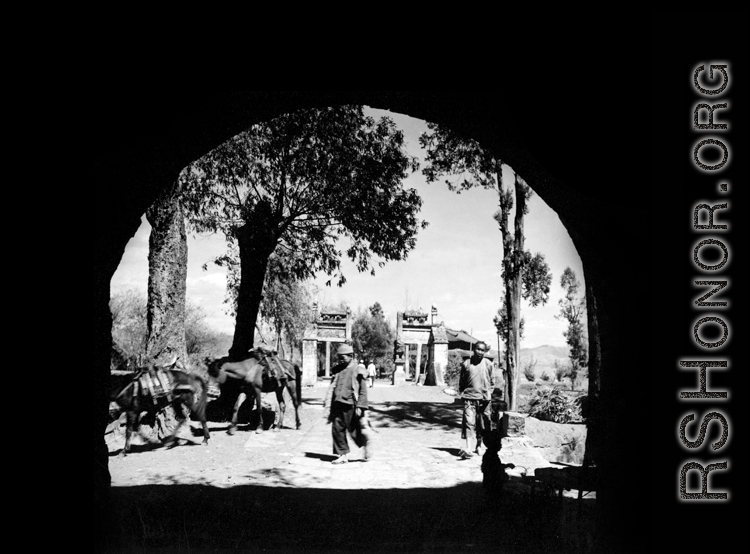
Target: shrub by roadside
[{"x": 551, "y": 404}]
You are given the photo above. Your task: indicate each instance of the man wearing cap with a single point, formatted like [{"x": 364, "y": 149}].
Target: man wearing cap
[{"x": 348, "y": 404}]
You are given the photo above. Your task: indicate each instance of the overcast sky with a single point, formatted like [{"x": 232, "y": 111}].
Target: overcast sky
[{"x": 455, "y": 266}]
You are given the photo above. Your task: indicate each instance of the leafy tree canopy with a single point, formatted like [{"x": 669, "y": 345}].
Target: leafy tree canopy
[
  {"x": 311, "y": 177},
  {"x": 286, "y": 301},
  {"x": 463, "y": 159},
  {"x": 465, "y": 164},
  {"x": 501, "y": 323},
  {"x": 571, "y": 307},
  {"x": 536, "y": 279}
]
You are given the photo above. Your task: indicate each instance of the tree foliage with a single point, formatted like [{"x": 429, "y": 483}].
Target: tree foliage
[
  {"x": 465, "y": 164},
  {"x": 300, "y": 183},
  {"x": 573, "y": 310},
  {"x": 372, "y": 335},
  {"x": 452, "y": 371},
  {"x": 202, "y": 341},
  {"x": 528, "y": 369},
  {"x": 129, "y": 329},
  {"x": 561, "y": 371},
  {"x": 324, "y": 174},
  {"x": 501, "y": 323},
  {"x": 536, "y": 278},
  {"x": 286, "y": 302},
  {"x": 130, "y": 334}
]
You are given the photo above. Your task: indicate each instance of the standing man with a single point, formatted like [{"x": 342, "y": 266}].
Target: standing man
[
  {"x": 371, "y": 374},
  {"x": 348, "y": 404},
  {"x": 475, "y": 385}
]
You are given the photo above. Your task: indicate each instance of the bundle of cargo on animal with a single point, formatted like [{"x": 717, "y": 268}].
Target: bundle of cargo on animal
[
  {"x": 152, "y": 388},
  {"x": 257, "y": 373}
]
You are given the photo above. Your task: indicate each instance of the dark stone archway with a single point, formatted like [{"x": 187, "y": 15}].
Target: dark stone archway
[{"x": 150, "y": 139}]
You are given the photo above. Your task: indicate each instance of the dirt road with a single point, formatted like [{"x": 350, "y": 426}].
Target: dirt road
[{"x": 278, "y": 491}]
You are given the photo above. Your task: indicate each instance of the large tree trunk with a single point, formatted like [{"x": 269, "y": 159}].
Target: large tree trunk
[
  {"x": 595, "y": 350},
  {"x": 167, "y": 275},
  {"x": 512, "y": 297},
  {"x": 513, "y": 268},
  {"x": 167, "y": 260},
  {"x": 593, "y": 435},
  {"x": 280, "y": 343},
  {"x": 257, "y": 241}
]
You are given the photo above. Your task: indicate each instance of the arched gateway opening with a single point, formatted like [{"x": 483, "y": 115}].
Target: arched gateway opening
[{"x": 153, "y": 152}]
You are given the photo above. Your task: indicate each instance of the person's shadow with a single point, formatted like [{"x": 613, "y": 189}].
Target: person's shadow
[
  {"x": 452, "y": 451},
  {"x": 317, "y": 456}
]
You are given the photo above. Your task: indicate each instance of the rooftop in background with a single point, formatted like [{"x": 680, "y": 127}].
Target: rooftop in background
[{"x": 464, "y": 343}]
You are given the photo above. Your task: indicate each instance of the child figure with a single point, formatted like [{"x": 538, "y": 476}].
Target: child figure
[{"x": 493, "y": 470}]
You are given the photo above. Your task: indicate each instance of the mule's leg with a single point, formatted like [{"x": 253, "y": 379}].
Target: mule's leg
[
  {"x": 179, "y": 412},
  {"x": 132, "y": 418},
  {"x": 295, "y": 402},
  {"x": 200, "y": 413},
  {"x": 125, "y": 448},
  {"x": 233, "y": 423},
  {"x": 282, "y": 407},
  {"x": 257, "y": 391}
]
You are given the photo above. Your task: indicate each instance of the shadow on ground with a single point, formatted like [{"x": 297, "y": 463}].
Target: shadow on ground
[
  {"x": 182, "y": 518},
  {"x": 408, "y": 415}
]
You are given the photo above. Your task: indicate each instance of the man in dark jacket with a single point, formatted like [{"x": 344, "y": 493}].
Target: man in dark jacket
[{"x": 348, "y": 404}]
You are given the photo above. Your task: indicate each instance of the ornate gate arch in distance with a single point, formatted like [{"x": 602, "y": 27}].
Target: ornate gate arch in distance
[
  {"x": 330, "y": 326},
  {"x": 412, "y": 327}
]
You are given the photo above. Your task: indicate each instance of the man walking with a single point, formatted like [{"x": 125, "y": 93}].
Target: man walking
[
  {"x": 475, "y": 385},
  {"x": 371, "y": 374},
  {"x": 348, "y": 404}
]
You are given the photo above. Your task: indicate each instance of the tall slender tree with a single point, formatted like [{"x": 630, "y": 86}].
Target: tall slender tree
[
  {"x": 503, "y": 330},
  {"x": 573, "y": 310},
  {"x": 452, "y": 156},
  {"x": 300, "y": 183}
]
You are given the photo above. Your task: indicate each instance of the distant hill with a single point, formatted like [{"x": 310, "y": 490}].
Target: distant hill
[{"x": 545, "y": 357}]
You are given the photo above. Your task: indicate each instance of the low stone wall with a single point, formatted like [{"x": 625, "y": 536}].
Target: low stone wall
[{"x": 557, "y": 442}]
